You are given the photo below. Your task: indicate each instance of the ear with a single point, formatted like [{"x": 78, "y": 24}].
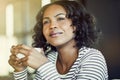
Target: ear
[{"x": 74, "y": 29}]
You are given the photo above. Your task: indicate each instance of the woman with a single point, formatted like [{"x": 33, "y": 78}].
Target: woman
[{"x": 64, "y": 31}]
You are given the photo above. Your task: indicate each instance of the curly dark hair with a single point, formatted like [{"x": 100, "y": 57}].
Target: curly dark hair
[{"x": 86, "y": 33}]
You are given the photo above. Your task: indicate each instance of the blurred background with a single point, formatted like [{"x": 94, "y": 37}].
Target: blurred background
[{"x": 17, "y": 19}]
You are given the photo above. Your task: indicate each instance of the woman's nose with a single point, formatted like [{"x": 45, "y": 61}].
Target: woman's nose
[{"x": 53, "y": 25}]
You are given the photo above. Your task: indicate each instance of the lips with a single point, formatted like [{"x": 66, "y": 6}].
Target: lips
[{"x": 55, "y": 34}]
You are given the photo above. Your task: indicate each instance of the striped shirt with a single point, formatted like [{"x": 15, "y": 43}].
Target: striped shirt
[{"x": 90, "y": 65}]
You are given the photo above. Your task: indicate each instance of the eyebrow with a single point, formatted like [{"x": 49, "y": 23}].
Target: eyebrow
[
  {"x": 54, "y": 16},
  {"x": 60, "y": 14},
  {"x": 45, "y": 18}
]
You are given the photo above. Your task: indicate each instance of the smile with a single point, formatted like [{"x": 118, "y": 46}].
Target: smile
[{"x": 55, "y": 34}]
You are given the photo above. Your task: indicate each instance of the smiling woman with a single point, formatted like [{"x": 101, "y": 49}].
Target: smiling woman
[
  {"x": 56, "y": 26},
  {"x": 65, "y": 32}
]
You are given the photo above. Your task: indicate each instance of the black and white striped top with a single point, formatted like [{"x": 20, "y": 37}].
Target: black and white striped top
[{"x": 90, "y": 65}]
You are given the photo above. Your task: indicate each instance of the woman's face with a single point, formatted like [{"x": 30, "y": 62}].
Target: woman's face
[{"x": 57, "y": 27}]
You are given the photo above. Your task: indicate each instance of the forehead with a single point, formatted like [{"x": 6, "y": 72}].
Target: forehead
[{"x": 53, "y": 10}]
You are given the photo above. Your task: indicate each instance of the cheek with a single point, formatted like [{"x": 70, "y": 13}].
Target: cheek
[
  {"x": 68, "y": 29},
  {"x": 67, "y": 26},
  {"x": 44, "y": 32}
]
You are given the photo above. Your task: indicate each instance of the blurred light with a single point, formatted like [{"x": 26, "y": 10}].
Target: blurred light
[
  {"x": 44, "y": 2},
  {"x": 6, "y": 43},
  {"x": 9, "y": 20}
]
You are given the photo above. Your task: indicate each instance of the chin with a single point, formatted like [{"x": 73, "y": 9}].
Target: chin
[{"x": 56, "y": 44}]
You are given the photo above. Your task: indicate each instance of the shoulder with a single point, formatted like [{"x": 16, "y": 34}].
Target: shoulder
[
  {"x": 91, "y": 56},
  {"x": 93, "y": 62},
  {"x": 90, "y": 52}
]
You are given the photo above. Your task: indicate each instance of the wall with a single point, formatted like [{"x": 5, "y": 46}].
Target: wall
[
  {"x": 107, "y": 13},
  {"x": 24, "y": 20}
]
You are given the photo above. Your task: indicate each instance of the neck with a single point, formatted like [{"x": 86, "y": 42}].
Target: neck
[{"x": 67, "y": 53}]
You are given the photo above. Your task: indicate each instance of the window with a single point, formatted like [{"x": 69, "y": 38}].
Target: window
[
  {"x": 44, "y": 2},
  {"x": 9, "y": 20}
]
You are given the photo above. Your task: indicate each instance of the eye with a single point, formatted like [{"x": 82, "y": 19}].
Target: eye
[
  {"x": 60, "y": 19},
  {"x": 45, "y": 22}
]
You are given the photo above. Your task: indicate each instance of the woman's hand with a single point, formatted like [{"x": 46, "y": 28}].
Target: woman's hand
[
  {"x": 14, "y": 61},
  {"x": 33, "y": 57}
]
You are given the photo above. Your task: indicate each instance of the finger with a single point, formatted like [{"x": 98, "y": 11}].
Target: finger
[
  {"x": 24, "y": 59},
  {"x": 12, "y": 49},
  {"x": 13, "y": 57},
  {"x": 24, "y": 52},
  {"x": 23, "y": 46},
  {"x": 13, "y": 46},
  {"x": 21, "y": 62},
  {"x": 17, "y": 63},
  {"x": 25, "y": 63},
  {"x": 19, "y": 45},
  {"x": 12, "y": 62},
  {"x": 18, "y": 49},
  {"x": 23, "y": 49}
]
